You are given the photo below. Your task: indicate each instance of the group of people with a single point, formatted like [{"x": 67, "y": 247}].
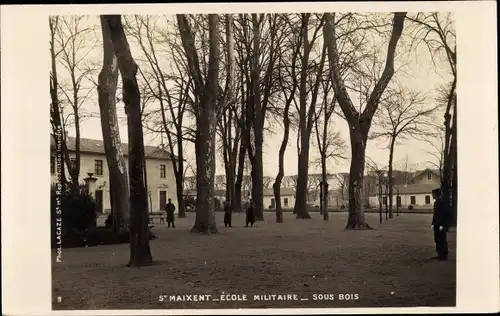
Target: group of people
[
  {"x": 249, "y": 219},
  {"x": 441, "y": 220}
]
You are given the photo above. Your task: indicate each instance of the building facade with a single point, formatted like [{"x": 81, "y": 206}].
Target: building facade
[
  {"x": 417, "y": 193},
  {"x": 287, "y": 196},
  {"x": 159, "y": 171}
]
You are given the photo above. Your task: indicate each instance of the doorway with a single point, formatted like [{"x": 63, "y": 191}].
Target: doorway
[{"x": 98, "y": 201}]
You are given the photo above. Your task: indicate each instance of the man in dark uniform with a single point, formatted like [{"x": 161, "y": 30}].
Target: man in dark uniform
[
  {"x": 227, "y": 214},
  {"x": 440, "y": 225},
  {"x": 170, "y": 209},
  {"x": 250, "y": 216}
]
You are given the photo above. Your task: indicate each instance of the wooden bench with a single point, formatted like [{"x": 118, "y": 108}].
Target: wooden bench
[{"x": 152, "y": 216}]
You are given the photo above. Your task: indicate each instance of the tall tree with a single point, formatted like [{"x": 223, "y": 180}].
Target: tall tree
[
  {"x": 308, "y": 95},
  {"x": 228, "y": 127},
  {"x": 258, "y": 121},
  {"x": 403, "y": 114},
  {"x": 55, "y": 110},
  {"x": 290, "y": 85},
  {"x": 140, "y": 252},
  {"x": 206, "y": 93},
  {"x": 436, "y": 31},
  {"x": 171, "y": 90},
  {"x": 359, "y": 123},
  {"x": 118, "y": 178},
  {"x": 74, "y": 42}
]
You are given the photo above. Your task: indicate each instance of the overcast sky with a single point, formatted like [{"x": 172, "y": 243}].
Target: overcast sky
[{"x": 421, "y": 74}]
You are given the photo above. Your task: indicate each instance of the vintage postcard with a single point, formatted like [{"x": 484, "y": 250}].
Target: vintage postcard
[{"x": 283, "y": 158}]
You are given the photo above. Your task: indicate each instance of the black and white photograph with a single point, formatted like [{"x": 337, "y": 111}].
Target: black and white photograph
[{"x": 250, "y": 157}]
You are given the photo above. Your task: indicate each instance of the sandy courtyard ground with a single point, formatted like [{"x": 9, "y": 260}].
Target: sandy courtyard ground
[{"x": 301, "y": 259}]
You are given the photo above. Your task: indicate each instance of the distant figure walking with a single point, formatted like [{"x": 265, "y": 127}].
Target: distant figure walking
[
  {"x": 170, "y": 209},
  {"x": 250, "y": 218},
  {"x": 440, "y": 225},
  {"x": 227, "y": 214}
]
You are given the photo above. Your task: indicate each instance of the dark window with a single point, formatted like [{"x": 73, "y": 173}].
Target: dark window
[
  {"x": 52, "y": 164},
  {"x": 427, "y": 199},
  {"x": 98, "y": 167},
  {"x": 384, "y": 200},
  {"x": 73, "y": 163},
  {"x": 412, "y": 200},
  {"x": 285, "y": 201},
  {"x": 163, "y": 171},
  {"x": 398, "y": 199},
  {"x": 429, "y": 176}
]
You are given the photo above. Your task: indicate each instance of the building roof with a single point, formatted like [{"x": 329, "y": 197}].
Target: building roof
[
  {"x": 434, "y": 171},
  {"x": 94, "y": 146},
  {"x": 420, "y": 188},
  {"x": 244, "y": 193}
]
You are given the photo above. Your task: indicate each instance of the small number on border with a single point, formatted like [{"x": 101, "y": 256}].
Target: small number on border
[{"x": 59, "y": 299}]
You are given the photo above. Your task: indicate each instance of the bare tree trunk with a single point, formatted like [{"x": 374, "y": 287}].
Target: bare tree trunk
[
  {"x": 301, "y": 193},
  {"x": 380, "y": 198},
  {"x": 454, "y": 180},
  {"x": 257, "y": 167},
  {"x": 281, "y": 163},
  {"x": 118, "y": 178},
  {"x": 146, "y": 186},
  {"x": 448, "y": 156},
  {"x": 389, "y": 175},
  {"x": 239, "y": 176},
  {"x": 356, "y": 217},
  {"x": 140, "y": 252},
  {"x": 230, "y": 100},
  {"x": 205, "y": 121},
  {"x": 324, "y": 191}
]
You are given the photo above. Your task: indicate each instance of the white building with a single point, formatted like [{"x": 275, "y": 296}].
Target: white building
[
  {"x": 159, "y": 168},
  {"x": 287, "y": 196},
  {"x": 418, "y": 193}
]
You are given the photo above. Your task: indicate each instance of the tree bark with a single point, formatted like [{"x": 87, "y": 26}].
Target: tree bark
[
  {"x": 356, "y": 217},
  {"x": 257, "y": 167},
  {"x": 205, "y": 121},
  {"x": 118, "y": 178},
  {"x": 140, "y": 252}
]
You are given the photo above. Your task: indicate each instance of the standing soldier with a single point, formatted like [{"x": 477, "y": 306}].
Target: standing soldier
[
  {"x": 250, "y": 216},
  {"x": 440, "y": 224},
  {"x": 170, "y": 208},
  {"x": 227, "y": 214}
]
